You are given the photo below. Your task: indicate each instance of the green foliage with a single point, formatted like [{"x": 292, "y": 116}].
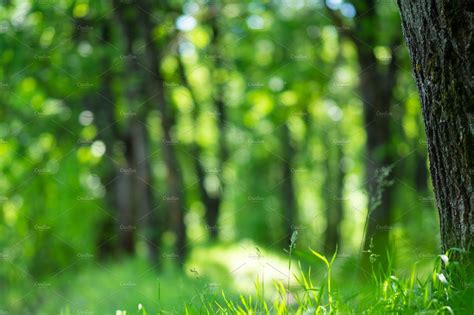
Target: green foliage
[
  {"x": 439, "y": 292},
  {"x": 277, "y": 63}
]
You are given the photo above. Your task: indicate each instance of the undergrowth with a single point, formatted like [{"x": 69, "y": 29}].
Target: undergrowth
[{"x": 446, "y": 290}]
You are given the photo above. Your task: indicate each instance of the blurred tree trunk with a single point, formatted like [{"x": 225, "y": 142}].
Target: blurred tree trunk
[
  {"x": 288, "y": 191},
  {"x": 333, "y": 191},
  {"x": 127, "y": 182},
  {"x": 175, "y": 198},
  {"x": 213, "y": 209},
  {"x": 126, "y": 215},
  {"x": 377, "y": 100},
  {"x": 210, "y": 201},
  {"x": 376, "y": 86},
  {"x": 142, "y": 192},
  {"x": 421, "y": 172},
  {"x": 137, "y": 173},
  {"x": 439, "y": 35},
  {"x": 330, "y": 234},
  {"x": 339, "y": 195},
  {"x": 102, "y": 105}
]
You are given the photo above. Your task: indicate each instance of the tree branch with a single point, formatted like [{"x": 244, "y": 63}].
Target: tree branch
[{"x": 341, "y": 27}]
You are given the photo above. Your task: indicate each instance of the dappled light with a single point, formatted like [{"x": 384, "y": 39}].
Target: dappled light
[{"x": 236, "y": 157}]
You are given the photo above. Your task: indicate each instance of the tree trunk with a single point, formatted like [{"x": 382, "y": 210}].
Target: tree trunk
[
  {"x": 376, "y": 86},
  {"x": 377, "y": 126},
  {"x": 142, "y": 190},
  {"x": 212, "y": 213},
  {"x": 127, "y": 181},
  {"x": 333, "y": 191},
  {"x": 421, "y": 173},
  {"x": 339, "y": 195},
  {"x": 140, "y": 194},
  {"x": 288, "y": 191},
  {"x": 439, "y": 35},
  {"x": 126, "y": 217},
  {"x": 102, "y": 105},
  {"x": 175, "y": 199},
  {"x": 211, "y": 202}
]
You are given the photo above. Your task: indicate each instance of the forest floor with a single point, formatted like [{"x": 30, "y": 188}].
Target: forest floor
[{"x": 211, "y": 272}]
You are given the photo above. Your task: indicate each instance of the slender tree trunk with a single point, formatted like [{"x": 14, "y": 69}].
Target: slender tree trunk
[
  {"x": 377, "y": 100},
  {"x": 175, "y": 199},
  {"x": 126, "y": 217},
  {"x": 439, "y": 35},
  {"x": 376, "y": 95},
  {"x": 330, "y": 234},
  {"x": 288, "y": 191},
  {"x": 127, "y": 183},
  {"x": 142, "y": 191},
  {"x": 104, "y": 115},
  {"x": 339, "y": 194},
  {"x": 212, "y": 213},
  {"x": 333, "y": 191},
  {"x": 376, "y": 86},
  {"x": 140, "y": 194},
  {"x": 377, "y": 126},
  {"x": 421, "y": 173},
  {"x": 210, "y": 201}
]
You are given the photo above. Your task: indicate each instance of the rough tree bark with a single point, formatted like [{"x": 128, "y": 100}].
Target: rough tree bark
[{"x": 439, "y": 35}]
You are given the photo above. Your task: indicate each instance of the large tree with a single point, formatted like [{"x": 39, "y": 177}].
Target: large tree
[{"x": 439, "y": 36}]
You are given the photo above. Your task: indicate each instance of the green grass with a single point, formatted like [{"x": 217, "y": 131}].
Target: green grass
[
  {"x": 446, "y": 290},
  {"x": 244, "y": 279}
]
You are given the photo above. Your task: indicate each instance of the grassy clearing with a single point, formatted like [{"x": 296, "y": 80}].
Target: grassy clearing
[
  {"x": 244, "y": 279},
  {"x": 447, "y": 289}
]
